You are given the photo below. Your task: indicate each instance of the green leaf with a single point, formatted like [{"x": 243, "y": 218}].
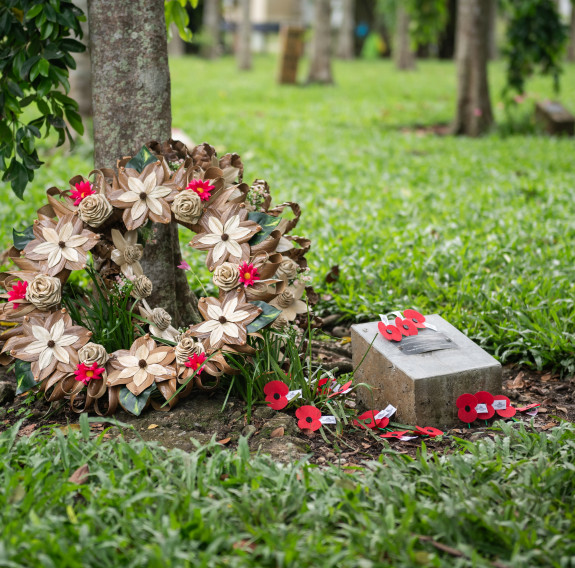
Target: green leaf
[
  {"x": 44, "y": 67},
  {"x": 24, "y": 377},
  {"x": 75, "y": 121},
  {"x": 132, "y": 403},
  {"x": 268, "y": 315},
  {"x": 266, "y": 222},
  {"x": 34, "y": 11},
  {"x": 142, "y": 159},
  {"x": 22, "y": 238}
]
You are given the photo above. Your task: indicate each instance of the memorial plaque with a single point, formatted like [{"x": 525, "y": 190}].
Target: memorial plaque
[
  {"x": 291, "y": 49},
  {"x": 554, "y": 118},
  {"x": 422, "y": 375}
]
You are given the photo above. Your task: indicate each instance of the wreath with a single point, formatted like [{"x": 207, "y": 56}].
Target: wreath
[{"x": 110, "y": 347}]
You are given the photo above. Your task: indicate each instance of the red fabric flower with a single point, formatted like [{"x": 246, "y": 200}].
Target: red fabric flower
[
  {"x": 321, "y": 385},
  {"x": 390, "y": 332},
  {"x": 248, "y": 274},
  {"x": 415, "y": 317},
  {"x": 340, "y": 390},
  {"x": 275, "y": 392},
  {"x": 394, "y": 434},
  {"x": 308, "y": 417},
  {"x": 428, "y": 431},
  {"x": 466, "y": 404},
  {"x": 486, "y": 398},
  {"x": 83, "y": 189},
  {"x": 85, "y": 373},
  {"x": 196, "y": 361},
  {"x": 371, "y": 423},
  {"x": 506, "y": 412},
  {"x": 18, "y": 292},
  {"x": 406, "y": 326},
  {"x": 202, "y": 188}
]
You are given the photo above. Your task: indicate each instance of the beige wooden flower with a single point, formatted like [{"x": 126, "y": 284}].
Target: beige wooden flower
[
  {"x": 49, "y": 344},
  {"x": 61, "y": 245},
  {"x": 289, "y": 301},
  {"x": 160, "y": 322},
  {"x": 127, "y": 253},
  {"x": 226, "y": 320},
  {"x": 141, "y": 366},
  {"x": 225, "y": 236}
]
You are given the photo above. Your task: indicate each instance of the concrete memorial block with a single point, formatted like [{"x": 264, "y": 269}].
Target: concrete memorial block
[
  {"x": 422, "y": 375},
  {"x": 291, "y": 49},
  {"x": 554, "y": 118}
]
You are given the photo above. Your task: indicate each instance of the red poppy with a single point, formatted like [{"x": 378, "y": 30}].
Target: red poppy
[
  {"x": 390, "y": 332},
  {"x": 86, "y": 373},
  {"x": 406, "y": 326},
  {"x": 196, "y": 361},
  {"x": 324, "y": 385},
  {"x": 369, "y": 420},
  {"x": 308, "y": 417},
  {"x": 340, "y": 390},
  {"x": 248, "y": 274},
  {"x": 529, "y": 407},
  {"x": 81, "y": 191},
  {"x": 202, "y": 187},
  {"x": 18, "y": 292},
  {"x": 415, "y": 317},
  {"x": 466, "y": 404},
  {"x": 395, "y": 434},
  {"x": 502, "y": 405},
  {"x": 486, "y": 398},
  {"x": 428, "y": 431},
  {"x": 275, "y": 392}
]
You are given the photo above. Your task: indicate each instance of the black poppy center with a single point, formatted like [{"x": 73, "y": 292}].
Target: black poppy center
[
  {"x": 142, "y": 363},
  {"x": 389, "y": 331},
  {"x": 143, "y": 196},
  {"x": 222, "y": 319},
  {"x": 62, "y": 244},
  {"x": 405, "y": 326},
  {"x": 467, "y": 408},
  {"x": 276, "y": 396},
  {"x": 309, "y": 420},
  {"x": 225, "y": 237},
  {"x": 51, "y": 343},
  {"x": 415, "y": 320}
]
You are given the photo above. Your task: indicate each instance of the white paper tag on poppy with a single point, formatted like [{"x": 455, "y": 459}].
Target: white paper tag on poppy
[
  {"x": 406, "y": 438},
  {"x": 429, "y": 326},
  {"x": 328, "y": 420},
  {"x": 384, "y": 319},
  {"x": 397, "y": 314},
  {"x": 293, "y": 394},
  {"x": 388, "y": 411},
  {"x": 481, "y": 409},
  {"x": 336, "y": 390},
  {"x": 499, "y": 404}
]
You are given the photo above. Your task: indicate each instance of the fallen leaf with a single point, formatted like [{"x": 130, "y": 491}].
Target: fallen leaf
[
  {"x": 224, "y": 441},
  {"x": 80, "y": 476},
  {"x": 27, "y": 430},
  {"x": 332, "y": 275},
  {"x": 277, "y": 433},
  {"x": 345, "y": 340},
  {"x": 546, "y": 378},
  {"x": 549, "y": 425},
  {"x": 224, "y": 476},
  {"x": 244, "y": 545},
  {"x": 366, "y": 446},
  {"x": 518, "y": 383},
  {"x": 69, "y": 427},
  {"x": 562, "y": 409},
  {"x": 542, "y": 410},
  {"x": 152, "y": 426}
]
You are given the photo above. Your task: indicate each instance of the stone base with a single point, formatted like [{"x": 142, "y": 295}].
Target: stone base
[{"x": 422, "y": 386}]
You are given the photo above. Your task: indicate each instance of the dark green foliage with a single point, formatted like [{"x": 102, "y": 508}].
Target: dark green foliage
[
  {"x": 22, "y": 238},
  {"x": 36, "y": 50},
  {"x": 132, "y": 403},
  {"x": 509, "y": 500},
  {"x": 268, "y": 315},
  {"x": 266, "y": 222},
  {"x": 24, "y": 378},
  {"x": 142, "y": 159},
  {"x": 536, "y": 41}
]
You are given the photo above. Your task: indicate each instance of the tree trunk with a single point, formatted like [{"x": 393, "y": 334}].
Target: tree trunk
[
  {"x": 81, "y": 77},
  {"x": 244, "y": 51},
  {"x": 131, "y": 102},
  {"x": 176, "y": 46},
  {"x": 473, "y": 115},
  {"x": 404, "y": 56},
  {"x": 492, "y": 52},
  {"x": 345, "y": 47},
  {"x": 211, "y": 29},
  {"x": 320, "y": 67},
  {"x": 571, "y": 48}
]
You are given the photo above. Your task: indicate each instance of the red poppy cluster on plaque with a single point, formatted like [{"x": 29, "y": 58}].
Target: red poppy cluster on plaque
[
  {"x": 483, "y": 405},
  {"x": 404, "y": 325}
]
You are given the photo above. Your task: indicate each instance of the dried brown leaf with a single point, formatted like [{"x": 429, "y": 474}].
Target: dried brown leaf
[
  {"x": 549, "y": 425},
  {"x": 277, "y": 433},
  {"x": 547, "y": 377},
  {"x": 561, "y": 409},
  {"x": 152, "y": 426},
  {"x": 27, "y": 430},
  {"x": 80, "y": 476},
  {"x": 224, "y": 441},
  {"x": 518, "y": 382}
]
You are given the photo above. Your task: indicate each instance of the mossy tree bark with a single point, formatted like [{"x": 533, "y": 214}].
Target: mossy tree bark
[
  {"x": 474, "y": 115},
  {"x": 404, "y": 55},
  {"x": 211, "y": 29},
  {"x": 131, "y": 104},
  {"x": 244, "y": 51},
  {"x": 320, "y": 67}
]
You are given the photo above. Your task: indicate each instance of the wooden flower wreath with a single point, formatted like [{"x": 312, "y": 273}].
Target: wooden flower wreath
[{"x": 254, "y": 263}]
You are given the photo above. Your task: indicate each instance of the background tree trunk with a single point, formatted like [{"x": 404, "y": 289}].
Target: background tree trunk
[
  {"x": 320, "y": 67},
  {"x": 493, "y": 51},
  {"x": 131, "y": 103},
  {"x": 404, "y": 56},
  {"x": 345, "y": 43},
  {"x": 81, "y": 77},
  {"x": 211, "y": 29},
  {"x": 473, "y": 115},
  {"x": 571, "y": 48},
  {"x": 176, "y": 46},
  {"x": 244, "y": 51}
]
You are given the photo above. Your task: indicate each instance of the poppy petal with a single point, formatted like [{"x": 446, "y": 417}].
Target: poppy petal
[
  {"x": 417, "y": 318},
  {"x": 390, "y": 332},
  {"x": 406, "y": 326},
  {"x": 486, "y": 398},
  {"x": 428, "y": 431},
  {"x": 502, "y": 405}
]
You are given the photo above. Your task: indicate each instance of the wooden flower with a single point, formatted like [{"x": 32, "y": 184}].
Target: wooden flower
[
  {"x": 226, "y": 235},
  {"x": 127, "y": 253},
  {"x": 49, "y": 344},
  {"x": 61, "y": 245},
  {"x": 290, "y": 302},
  {"x": 226, "y": 320},
  {"x": 141, "y": 366}
]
